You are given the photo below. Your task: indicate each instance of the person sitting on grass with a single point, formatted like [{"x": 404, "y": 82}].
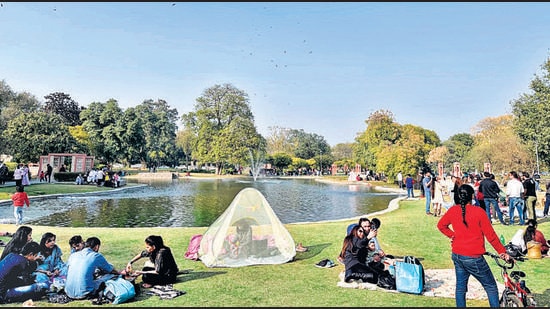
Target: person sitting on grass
[
  {"x": 16, "y": 283},
  {"x": 353, "y": 255},
  {"x": 50, "y": 265},
  {"x": 76, "y": 243},
  {"x": 87, "y": 271},
  {"x": 160, "y": 269},
  {"x": 533, "y": 234},
  {"x": 20, "y": 238}
]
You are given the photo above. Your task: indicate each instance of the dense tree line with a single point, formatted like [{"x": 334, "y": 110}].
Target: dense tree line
[{"x": 220, "y": 130}]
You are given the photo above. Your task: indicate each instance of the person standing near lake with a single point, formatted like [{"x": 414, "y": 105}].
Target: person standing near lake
[
  {"x": 400, "y": 180},
  {"x": 18, "y": 175},
  {"x": 427, "y": 184},
  {"x": 20, "y": 199},
  {"x": 49, "y": 171},
  {"x": 409, "y": 183},
  {"x": 471, "y": 227}
]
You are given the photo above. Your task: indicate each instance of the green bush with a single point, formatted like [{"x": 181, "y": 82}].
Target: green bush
[{"x": 65, "y": 176}]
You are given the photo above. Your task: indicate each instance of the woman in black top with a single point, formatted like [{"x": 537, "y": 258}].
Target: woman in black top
[{"x": 161, "y": 269}]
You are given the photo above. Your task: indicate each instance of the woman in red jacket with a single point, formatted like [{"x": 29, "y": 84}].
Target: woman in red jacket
[{"x": 470, "y": 228}]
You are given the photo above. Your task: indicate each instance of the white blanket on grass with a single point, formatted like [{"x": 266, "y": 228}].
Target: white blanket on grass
[{"x": 439, "y": 283}]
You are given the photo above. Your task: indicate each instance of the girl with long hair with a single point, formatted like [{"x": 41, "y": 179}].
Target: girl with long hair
[
  {"x": 50, "y": 265},
  {"x": 21, "y": 237},
  {"x": 532, "y": 234},
  {"x": 354, "y": 253},
  {"x": 161, "y": 268},
  {"x": 470, "y": 228}
]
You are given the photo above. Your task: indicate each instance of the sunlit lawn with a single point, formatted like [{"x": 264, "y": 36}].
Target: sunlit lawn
[{"x": 405, "y": 231}]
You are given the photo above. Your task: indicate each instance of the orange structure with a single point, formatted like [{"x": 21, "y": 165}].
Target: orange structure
[{"x": 80, "y": 162}]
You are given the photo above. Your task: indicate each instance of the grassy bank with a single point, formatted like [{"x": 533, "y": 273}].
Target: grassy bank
[{"x": 405, "y": 231}]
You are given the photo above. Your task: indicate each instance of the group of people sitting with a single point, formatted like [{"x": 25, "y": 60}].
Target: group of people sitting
[
  {"x": 363, "y": 257},
  {"x": 31, "y": 270}
]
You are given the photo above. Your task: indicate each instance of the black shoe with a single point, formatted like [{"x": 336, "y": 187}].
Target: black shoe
[{"x": 503, "y": 223}]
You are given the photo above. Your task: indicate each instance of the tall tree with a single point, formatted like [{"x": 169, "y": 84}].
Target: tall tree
[
  {"x": 532, "y": 115},
  {"x": 495, "y": 142},
  {"x": 34, "y": 134},
  {"x": 159, "y": 128},
  {"x": 224, "y": 126},
  {"x": 61, "y": 104}
]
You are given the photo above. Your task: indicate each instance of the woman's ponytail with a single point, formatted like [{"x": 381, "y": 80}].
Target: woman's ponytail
[{"x": 465, "y": 195}]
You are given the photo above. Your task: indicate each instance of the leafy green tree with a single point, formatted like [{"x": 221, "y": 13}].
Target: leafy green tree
[
  {"x": 61, "y": 104},
  {"x": 159, "y": 128},
  {"x": 281, "y": 161},
  {"x": 185, "y": 139},
  {"x": 34, "y": 134},
  {"x": 495, "y": 142},
  {"x": 308, "y": 145},
  {"x": 12, "y": 104},
  {"x": 132, "y": 137},
  {"x": 460, "y": 148},
  {"x": 532, "y": 115},
  {"x": 224, "y": 126},
  {"x": 102, "y": 123}
]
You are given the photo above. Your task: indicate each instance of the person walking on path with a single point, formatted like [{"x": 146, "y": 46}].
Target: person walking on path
[
  {"x": 400, "y": 180},
  {"x": 409, "y": 183},
  {"x": 490, "y": 190},
  {"x": 514, "y": 197},
  {"x": 427, "y": 184},
  {"x": 530, "y": 196},
  {"x": 49, "y": 171},
  {"x": 18, "y": 174},
  {"x": 20, "y": 199},
  {"x": 470, "y": 228}
]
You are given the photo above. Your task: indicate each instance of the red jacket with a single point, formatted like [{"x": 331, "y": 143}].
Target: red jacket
[
  {"x": 20, "y": 199},
  {"x": 469, "y": 240}
]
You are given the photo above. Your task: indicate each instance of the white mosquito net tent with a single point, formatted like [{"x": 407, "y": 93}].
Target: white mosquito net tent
[{"x": 247, "y": 233}]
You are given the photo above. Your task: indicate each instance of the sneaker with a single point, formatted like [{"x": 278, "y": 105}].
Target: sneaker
[
  {"x": 326, "y": 263},
  {"x": 429, "y": 213},
  {"x": 322, "y": 263}
]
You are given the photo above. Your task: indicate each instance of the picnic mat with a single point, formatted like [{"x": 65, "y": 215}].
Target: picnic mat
[{"x": 439, "y": 283}]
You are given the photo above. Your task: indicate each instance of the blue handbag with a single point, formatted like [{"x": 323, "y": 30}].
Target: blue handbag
[{"x": 409, "y": 276}]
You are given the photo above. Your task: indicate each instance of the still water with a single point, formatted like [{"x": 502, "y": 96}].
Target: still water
[{"x": 192, "y": 203}]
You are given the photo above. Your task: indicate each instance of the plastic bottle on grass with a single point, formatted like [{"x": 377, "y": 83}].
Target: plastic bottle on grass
[{"x": 502, "y": 240}]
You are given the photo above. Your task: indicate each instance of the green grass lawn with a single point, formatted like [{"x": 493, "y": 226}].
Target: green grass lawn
[{"x": 405, "y": 231}]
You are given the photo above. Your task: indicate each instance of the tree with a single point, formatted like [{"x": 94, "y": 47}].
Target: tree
[
  {"x": 31, "y": 135},
  {"x": 531, "y": 113},
  {"x": 224, "y": 126},
  {"x": 102, "y": 123},
  {"x": 279, "y": 140},
  {"x": 281, "y": 161},
  {"x": 460, "y": 148},
  {"x": 159, "y": 129},
  {"x": 495, "y": 142},
  {"x": 61, "y": 104}
]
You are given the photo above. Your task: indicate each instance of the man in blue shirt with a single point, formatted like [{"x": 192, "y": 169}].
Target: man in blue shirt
[
  {"x": 14, "y": 268},
  {"x": 87, "y": 270}
]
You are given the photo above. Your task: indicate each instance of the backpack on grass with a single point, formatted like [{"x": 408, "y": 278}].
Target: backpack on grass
[{"x": 118, "y": 290}]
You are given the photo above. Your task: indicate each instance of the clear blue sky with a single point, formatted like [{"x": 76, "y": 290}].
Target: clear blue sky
[{"x": 318, "y": 66}]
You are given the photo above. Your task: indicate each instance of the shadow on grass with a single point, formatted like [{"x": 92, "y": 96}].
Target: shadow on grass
[
  {"x": 543, "y": 300},
  {"x": 195, "y": 275},
  {"x": 312, "y": 251}
]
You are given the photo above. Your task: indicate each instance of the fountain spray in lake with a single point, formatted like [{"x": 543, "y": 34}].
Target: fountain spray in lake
[{"x": 255, "y": 164}]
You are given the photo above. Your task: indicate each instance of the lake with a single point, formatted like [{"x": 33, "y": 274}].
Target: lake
[{"x": 188, "y": 202}]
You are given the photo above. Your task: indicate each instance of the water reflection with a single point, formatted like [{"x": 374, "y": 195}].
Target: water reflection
[{"x": 186, "y": 203}]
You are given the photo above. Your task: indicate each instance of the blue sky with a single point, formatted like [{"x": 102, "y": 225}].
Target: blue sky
[{"x": 323, "y": 67}]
